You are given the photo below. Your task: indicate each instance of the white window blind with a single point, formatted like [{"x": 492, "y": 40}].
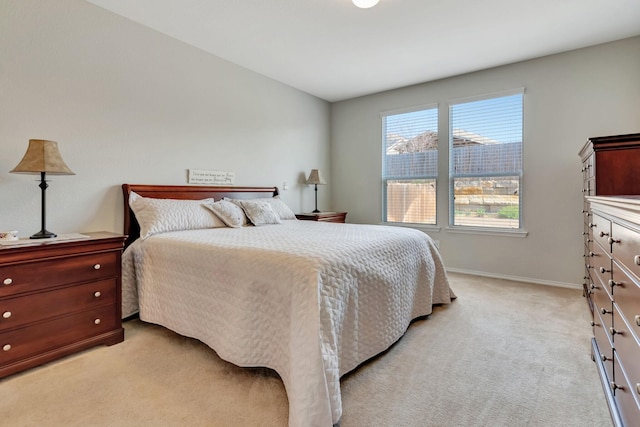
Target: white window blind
[
  {"x": 485, "y": 141},
  {"x": 410, "y": 166}
]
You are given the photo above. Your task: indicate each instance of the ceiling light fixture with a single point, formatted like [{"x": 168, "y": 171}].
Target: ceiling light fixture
[{"x": 365, "y": 4}]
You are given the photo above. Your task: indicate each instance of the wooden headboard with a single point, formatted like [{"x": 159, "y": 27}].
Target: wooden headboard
[{"x": 188, "y": 192}]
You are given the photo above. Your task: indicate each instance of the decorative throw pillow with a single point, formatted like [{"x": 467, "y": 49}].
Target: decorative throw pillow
[
  {"x": 230, "y": 213},
  {"x": 279, "y": 207},
  {"x": 259, "y": 212},
  {"x": 163, "y": 215}
]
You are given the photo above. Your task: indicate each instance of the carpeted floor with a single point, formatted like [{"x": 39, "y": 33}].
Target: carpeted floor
[{"x": 503, "y": 354}]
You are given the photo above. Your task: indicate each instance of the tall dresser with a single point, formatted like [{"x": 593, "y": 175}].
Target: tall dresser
[{"x": 611, "y": 209}]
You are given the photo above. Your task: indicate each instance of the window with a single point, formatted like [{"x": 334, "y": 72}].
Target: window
[
  {"x": 410, "y": 166},
  {"x": 485, "y": 172}
]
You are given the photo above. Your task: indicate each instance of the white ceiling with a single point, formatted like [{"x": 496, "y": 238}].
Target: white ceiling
[{"x": 335, "y": 51}]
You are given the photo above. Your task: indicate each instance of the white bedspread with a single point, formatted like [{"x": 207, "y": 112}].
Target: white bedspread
[{"x": 310, "y": 300}]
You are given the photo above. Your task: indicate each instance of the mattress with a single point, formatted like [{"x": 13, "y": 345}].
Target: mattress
[{"x": 310, "y": 300}]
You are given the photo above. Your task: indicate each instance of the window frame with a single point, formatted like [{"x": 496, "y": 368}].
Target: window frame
[
  {"x": 385, "y": 178},
  {"x": 519, "y": 231}
]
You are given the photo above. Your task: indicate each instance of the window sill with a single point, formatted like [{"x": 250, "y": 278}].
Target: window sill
[
  {"x": 424, "y": 227},
  {"x": 503, "y": 232}
]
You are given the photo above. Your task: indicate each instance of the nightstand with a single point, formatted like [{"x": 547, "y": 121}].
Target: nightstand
[
  {"x": 323, "y": 216},
  {"x": 58, "y": 297}
]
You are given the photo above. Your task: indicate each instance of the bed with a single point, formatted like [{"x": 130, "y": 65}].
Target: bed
[{"x": 310, "y": 300}]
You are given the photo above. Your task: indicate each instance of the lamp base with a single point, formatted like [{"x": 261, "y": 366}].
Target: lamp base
[{"x": 43, "y": 234}]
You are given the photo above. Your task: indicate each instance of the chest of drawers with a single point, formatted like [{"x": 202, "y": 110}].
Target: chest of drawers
[
  {"x": 57, "y": 298},
  {"x": 613, "y": 261}
]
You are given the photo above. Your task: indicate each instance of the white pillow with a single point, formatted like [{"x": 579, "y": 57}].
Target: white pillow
[
  {"x": 259, "y": 211},
  {"x": 230, "y": 213},
  {"x": 279, "y": 207},
  {"x": 162, "y": 215}
]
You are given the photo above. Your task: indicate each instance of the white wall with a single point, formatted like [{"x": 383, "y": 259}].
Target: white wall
[
  {"x": 569, "y": 97},
  {"x": 130, "y": 105}
]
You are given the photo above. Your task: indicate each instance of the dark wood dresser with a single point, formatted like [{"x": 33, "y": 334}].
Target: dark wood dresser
[
  {"x": 323, "y": 216},
  {"x": 612, "y": 268},
  {"x": 57, "y": 298}
]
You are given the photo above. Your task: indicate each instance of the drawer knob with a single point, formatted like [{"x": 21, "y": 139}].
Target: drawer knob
[
  {"x": 602, "y": 234},
  {"x": 604, "y": 310},
  {"x": 6, "y": 347},
  {"x": 593, "y": 286},
  {"x": 6, "y": 314},
  {"x": 614, "y": 331},
  {"x": 97, "y": 321},
  {"x": 97, "y": 294},
  {"x": 594, "y": 323},
  {"x": 611, "y": 240},
  {"x": 97, "y": 267},
  {"x": 613, "y": 283},
  {"x": 604, "y": 270},
  {"x": 637, "y": 319},
  {"x": 615, "y": 386},
  {"x": 603, "y": 357},
  {"x": 636, "y": 260},
  {"x": 638, "y": 388},
  {"x": 8, "y": 281}
]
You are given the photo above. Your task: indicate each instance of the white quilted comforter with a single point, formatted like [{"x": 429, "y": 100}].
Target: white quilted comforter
[{"x": 310, "y": 300}]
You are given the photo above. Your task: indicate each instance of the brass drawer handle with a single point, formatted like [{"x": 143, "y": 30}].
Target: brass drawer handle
[
  {"x": 6, "y": 314},
  {"x": 8, "y": 281},
  {"x": 97, "y": 321},
  {"x": 97, "y": 267},
  {"x": 6, "y": 347},
  {"x": 97, "y": 294}
]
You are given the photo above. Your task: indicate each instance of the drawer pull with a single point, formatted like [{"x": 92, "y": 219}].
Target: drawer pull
[
  {"x": 636, "y": 260},
  {"x": 638, "y": 388},
  {"x": 6, "y": 347},
  {"x": 603, "y": 357},
  {"x": 97, "y": 321},
  {"x": 592, "y": 225},
  {"x": 97, "y": 267},
  {"x": 8, "y": 281},
  {"x": 97, "y": 294},
  {"x": 637, "y": 319},
  {"x": 593, "y": 286},
  {"x": 613, "y": 283},
  {"x": 604, "y": 270},
  {"x": 615, "y": 386},
  {"x": 613, "y": 331},
  {"x": 594, "y": 323},
  {"x": 6, "y": 314},
  {"x": 611, "y": 240},
  {"x": 602, "y": 234},
  {"x": 604, "y": 310}
]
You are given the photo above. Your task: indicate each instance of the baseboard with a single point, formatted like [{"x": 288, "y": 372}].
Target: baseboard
[{"x": 516, "y": 278}]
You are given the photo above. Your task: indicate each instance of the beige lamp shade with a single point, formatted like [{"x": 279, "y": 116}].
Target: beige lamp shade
[
  {"x": 42, "y": 156},
  {"x": 315, "y": 177}
]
